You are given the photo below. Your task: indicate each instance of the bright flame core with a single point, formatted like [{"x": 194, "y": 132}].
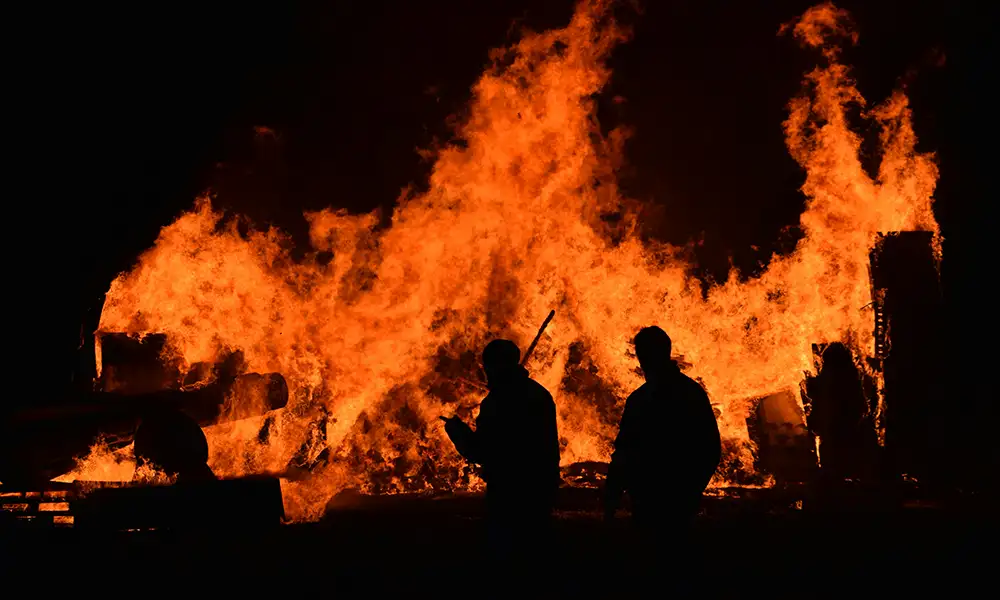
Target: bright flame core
[{"x": 372, "y": 342}]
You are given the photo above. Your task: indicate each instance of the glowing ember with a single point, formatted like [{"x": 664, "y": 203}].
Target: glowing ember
[{"x": 372, "y": 342}]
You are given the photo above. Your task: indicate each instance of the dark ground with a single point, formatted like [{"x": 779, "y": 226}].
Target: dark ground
[{"x": 756, "y": 544}]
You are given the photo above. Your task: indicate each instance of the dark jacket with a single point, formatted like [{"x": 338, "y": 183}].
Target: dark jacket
[
  {"x": 668, "y": 445},
  {"x": 516, "y": 440}
]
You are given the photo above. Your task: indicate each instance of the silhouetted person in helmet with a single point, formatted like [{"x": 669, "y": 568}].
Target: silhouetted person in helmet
[
  {"x": 517, "y": 444},
  {"x": 667, "y": 450}
]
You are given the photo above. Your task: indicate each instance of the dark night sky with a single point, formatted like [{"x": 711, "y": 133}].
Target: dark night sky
[{"x": 121, "y": 117}]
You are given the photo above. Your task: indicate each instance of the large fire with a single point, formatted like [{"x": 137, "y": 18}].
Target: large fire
[{"x": 380, "y": 340}]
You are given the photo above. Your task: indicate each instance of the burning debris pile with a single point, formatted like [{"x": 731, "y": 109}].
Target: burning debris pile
[
  {"x": 136, "y": 395},
  {"x": 381, "y": 339}
]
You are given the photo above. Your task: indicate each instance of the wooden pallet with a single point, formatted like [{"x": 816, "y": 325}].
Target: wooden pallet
[
  {"x": 249, "y": 503},
  {"x": 47, "y": 508}
]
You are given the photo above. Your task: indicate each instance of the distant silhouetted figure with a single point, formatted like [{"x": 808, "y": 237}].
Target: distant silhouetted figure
[
  {"x": 667, "y": 449},
  {"x": 517, "y": 444},
  {"x": 175, "y": 444},
  {"x": 839, "y": 416}
]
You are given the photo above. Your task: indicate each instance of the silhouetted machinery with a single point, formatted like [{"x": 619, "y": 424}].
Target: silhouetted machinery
[{"x": 140, "y": 396}]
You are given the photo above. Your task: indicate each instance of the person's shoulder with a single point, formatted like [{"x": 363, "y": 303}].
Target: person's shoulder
[
  {"x": 692, "y": 386},
  {"x": 639, "y": 393},
  {"x": 539, "y": 389},
  {"x": 689, "y": 381}
]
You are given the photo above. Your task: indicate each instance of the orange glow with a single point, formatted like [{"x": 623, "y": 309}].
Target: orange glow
[{"x": 510, "y": 228}]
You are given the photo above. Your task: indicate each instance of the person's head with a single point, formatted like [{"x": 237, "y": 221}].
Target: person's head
[
  {"x": 499, "y": 358},
  {"x": 653, "y": 348},
  {"x": 837, "y": 358}
]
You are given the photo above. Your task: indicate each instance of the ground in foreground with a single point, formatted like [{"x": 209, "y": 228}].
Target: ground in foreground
[{"x": 430, "y": 546}]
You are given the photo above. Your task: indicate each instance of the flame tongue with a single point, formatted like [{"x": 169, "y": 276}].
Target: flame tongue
[{"x": 382, "y": 337}]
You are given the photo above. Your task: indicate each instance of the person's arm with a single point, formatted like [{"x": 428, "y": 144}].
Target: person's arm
[
  {"x": 615, "y": 484},
  {"x": 552, "y": 434},
  {"x": 710, "y": 439},
  {"x": 469, "y": 442},
  {"x": 464, "y": 438}
]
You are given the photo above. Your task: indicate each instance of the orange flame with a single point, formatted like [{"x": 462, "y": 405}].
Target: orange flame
[{"x": 371, "y": 342}]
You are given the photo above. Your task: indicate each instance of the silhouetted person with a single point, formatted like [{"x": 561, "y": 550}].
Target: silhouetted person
[
  {"x": 517, "y": 444},
  {"x": 667, "y": 450},
  {"x": 175, "y": 444},
  {"x": 839, "y": 416}
]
